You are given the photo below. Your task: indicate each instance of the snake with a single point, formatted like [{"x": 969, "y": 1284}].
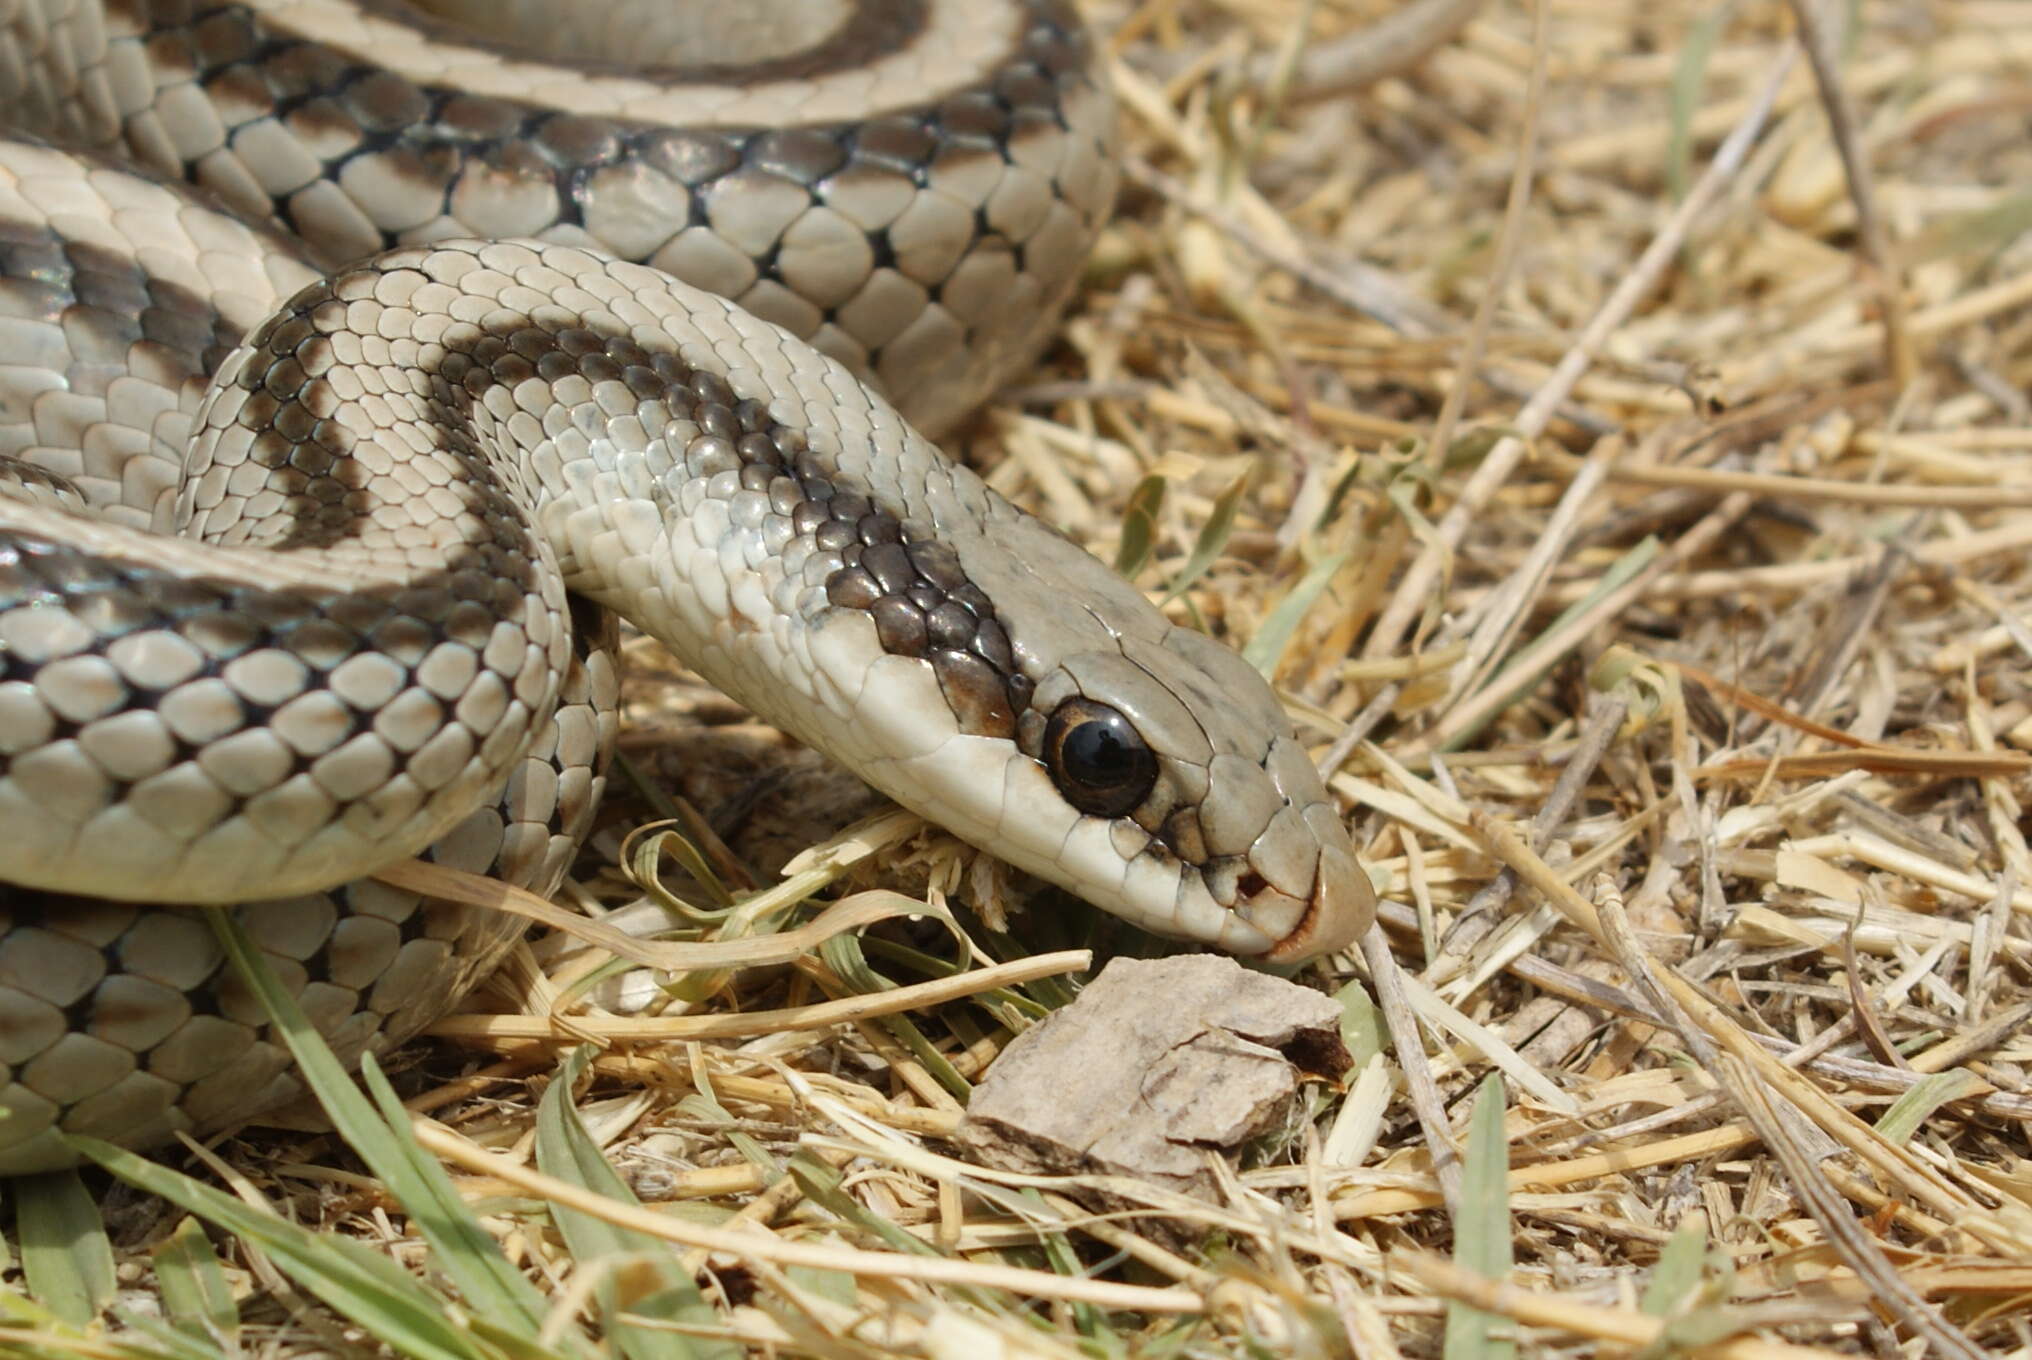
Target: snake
[{"x": 361, "y": 362}]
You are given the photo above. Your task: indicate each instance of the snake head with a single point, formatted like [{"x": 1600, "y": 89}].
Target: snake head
[
  {"x": 827, "y": 567},
  {"x": 1199, "y": 814},
  {"x": 1069, "y": 728}
]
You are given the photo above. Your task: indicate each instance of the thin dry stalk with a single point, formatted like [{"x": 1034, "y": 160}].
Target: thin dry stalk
[
  {"x": 1821, "y": 43},
  {"x": 1502, "y": 460}
]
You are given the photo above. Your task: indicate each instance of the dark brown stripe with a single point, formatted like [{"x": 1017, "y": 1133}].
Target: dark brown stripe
[{"x": 912, "y": 586}]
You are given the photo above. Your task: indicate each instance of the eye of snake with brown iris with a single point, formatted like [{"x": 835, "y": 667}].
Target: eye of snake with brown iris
[{"x": 322, "y": 478}]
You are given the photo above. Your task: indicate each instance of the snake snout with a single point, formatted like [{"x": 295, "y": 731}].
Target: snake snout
[{"x": 1342, "y": 904}]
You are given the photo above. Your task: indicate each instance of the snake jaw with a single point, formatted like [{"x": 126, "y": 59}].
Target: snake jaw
[{"x": 1340, "y": 909}]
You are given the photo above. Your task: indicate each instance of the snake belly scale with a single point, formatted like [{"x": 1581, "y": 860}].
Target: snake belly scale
[{"x": 320, "y": 486}]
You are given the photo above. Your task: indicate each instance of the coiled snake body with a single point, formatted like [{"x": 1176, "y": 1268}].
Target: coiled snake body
[{"x": 305, "y": 543}]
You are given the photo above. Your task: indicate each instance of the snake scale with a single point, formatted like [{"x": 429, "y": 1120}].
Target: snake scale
[{"x": 357, "y": 366}]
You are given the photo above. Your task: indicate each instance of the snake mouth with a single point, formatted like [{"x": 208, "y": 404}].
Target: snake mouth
[{"x": 1340, "y": 909}]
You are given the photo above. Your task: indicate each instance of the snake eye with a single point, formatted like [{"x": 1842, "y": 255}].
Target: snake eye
[{"x": 1097, "y": 759}]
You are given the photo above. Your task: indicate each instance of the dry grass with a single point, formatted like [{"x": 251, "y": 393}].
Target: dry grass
[{"x": 1639, "y": 513}]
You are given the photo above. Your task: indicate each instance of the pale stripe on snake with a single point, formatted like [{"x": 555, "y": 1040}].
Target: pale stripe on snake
[{"x": 383, "y": 496}]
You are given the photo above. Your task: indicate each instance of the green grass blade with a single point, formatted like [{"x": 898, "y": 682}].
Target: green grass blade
[
  {"x": 1139, "y": 526},
  {"x": 17, "y": 1311},
  {"x": 702, "y": 1107},
  {"x": 822, "y": 1185},
  {"x": 1928, "y": 1094},
  {"x": 1532, "y": 662},
  {"x": 461, "y": 1248},
  {"x": 1689, "y": 1289},
  {"x": 195, "y": 1296},
  {"x": 1689, "y": 73},
  {"x": 1088, "y": 1320},
  {"x": 65, "y": 1255},
  {"x": 1363, "y": 1028},
  {"x": 843, "y": 954},
  {"x": 169, "y": 1343},
  {"x": 1482, "y": 1232},
  {"x": 642, "y": 1277},
  {"x": 30, "y": 1331},
  {"x": 1213, "y": 536},
  {"x": 1677, "y": 1274},
  {"x": 1266, "y": 649},
  {"x": 1985, "y": 231},
  {"x": 350, "y": 1277}
]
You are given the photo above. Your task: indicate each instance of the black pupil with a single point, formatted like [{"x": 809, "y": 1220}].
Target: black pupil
[
  {"x": 1102, "y": 752},
  {"x": 1098, "y": 759}
]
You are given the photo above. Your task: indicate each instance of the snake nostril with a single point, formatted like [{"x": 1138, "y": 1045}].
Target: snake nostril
[{"x": 1251, "y": 885}]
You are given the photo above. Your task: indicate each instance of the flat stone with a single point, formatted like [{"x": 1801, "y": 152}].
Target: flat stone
[{"x": 1156, "y": 1064}]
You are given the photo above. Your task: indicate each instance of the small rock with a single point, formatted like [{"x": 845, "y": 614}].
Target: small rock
[{"x": 1157, "y": 1062}]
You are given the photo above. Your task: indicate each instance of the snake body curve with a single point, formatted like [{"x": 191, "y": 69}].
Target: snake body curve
[{"x": 307, "y": 541}]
